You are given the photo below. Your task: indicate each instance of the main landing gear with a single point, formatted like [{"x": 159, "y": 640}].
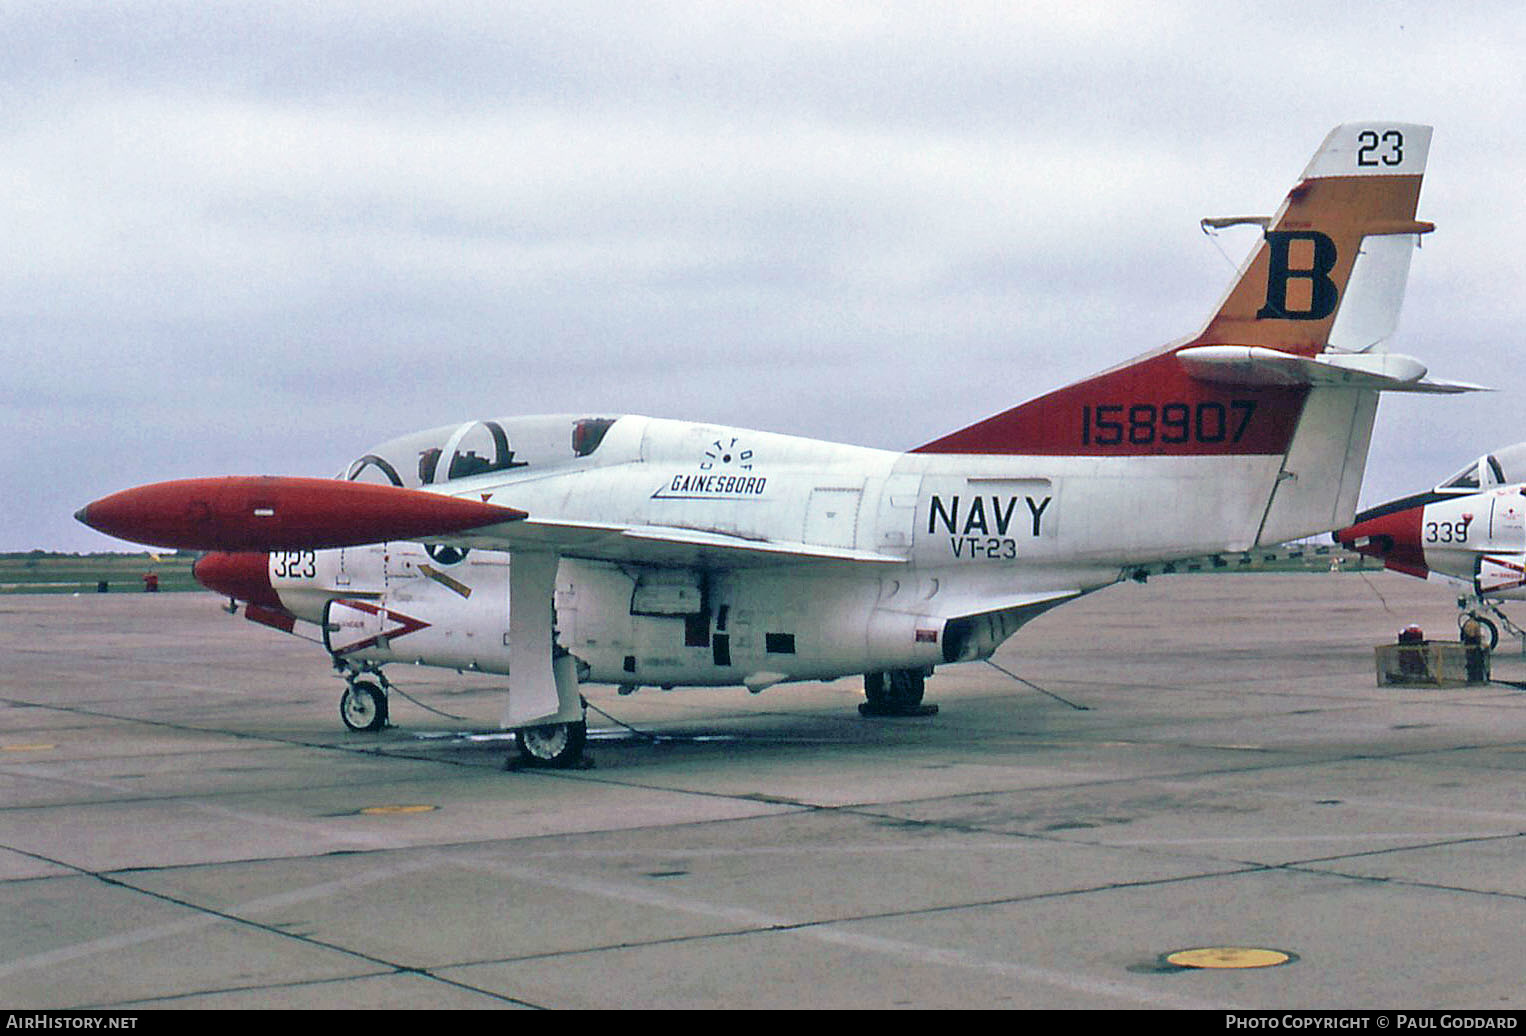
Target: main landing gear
[
  {"x": 556, "y": 746},
  {"x": 896, "y": 693}
]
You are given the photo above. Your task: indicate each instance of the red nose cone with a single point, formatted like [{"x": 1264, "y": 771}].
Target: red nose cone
[
  {"x": 1393, "y": 536},
  {"x": 244, "y": 577}
]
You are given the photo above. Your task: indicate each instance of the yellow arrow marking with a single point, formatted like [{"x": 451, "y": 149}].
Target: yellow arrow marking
[{"x": 445, "y": 580}]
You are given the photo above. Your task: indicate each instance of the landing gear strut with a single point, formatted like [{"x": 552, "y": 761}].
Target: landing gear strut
[
  {"x": 1474, "y": 608},
  {"x": 896, "y": 693}
]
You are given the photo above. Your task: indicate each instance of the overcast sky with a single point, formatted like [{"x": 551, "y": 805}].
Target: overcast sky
[{"x": 259, "y": 238}]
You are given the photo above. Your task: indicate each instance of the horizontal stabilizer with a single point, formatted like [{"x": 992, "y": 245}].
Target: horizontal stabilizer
[
  {"x": 1030, "y": 604},
  {"x": 267, "y": 512},
  {"x": 1254, "y": 365},
  {"x": 977, "y": 626}
]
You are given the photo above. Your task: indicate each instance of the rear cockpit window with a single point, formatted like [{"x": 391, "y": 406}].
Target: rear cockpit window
[
  {"x": 1510, "y": 463},
  {"x": 1501, "y": 468},
  {"x": 588, "y": 433}
]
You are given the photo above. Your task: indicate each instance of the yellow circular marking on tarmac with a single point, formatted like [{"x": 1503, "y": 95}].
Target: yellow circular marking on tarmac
[
  {"x": 26, "y": 748},
  {"x": 390, "y": 811},
  {"x": 1228, "y": 957}
]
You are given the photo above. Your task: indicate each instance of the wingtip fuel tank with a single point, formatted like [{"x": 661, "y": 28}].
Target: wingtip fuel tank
[{"x": 265, "y": 512}]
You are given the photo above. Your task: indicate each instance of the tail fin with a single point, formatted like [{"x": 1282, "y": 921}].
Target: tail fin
[
  {"x": 1364, "y": 181},
  {"x": 1260, "y": 385},
  {"x": 1241, "y": 388}
]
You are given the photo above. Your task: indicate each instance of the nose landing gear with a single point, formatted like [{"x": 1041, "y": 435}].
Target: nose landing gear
[
  {"x": 363, "y": 705},
  {"x": 1490, "y": 624}
]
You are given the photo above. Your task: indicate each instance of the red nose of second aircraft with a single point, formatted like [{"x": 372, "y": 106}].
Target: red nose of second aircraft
[
  {"x": 243, "y": 576},
  {"x": 1393, "y": 536}
]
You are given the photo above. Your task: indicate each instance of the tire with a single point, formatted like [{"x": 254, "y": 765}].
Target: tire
[
  {"x": 1491, "y": 633},
  {"x": 898, "y": 691},
  {"x": 1490, "y": 630},
  {"x": 363, "y": 706},
  {"x": 555, "y": 745},
  {"x": 906, "y": 689}
]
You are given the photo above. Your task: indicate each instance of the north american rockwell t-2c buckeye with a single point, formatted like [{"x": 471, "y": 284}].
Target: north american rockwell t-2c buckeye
[{"x": 637, "y": 551}]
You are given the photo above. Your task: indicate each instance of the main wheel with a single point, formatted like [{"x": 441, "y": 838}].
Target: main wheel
[
  {"x": 898, "y": 691},
  {"x": 906, "y": 688},
  {"x": 363, "y": 706},
  {"x": 557, "y": 745}
]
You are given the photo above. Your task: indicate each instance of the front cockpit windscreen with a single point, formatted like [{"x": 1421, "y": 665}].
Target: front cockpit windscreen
[
  {"x": 1501, "y": 468},
  {"x": 479, "y": 447}
]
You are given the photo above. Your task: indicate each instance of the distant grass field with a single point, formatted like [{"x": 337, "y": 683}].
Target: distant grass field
[{"x": 40, "y": 572}]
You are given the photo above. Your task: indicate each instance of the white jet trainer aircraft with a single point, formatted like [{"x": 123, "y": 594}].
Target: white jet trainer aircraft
[{"x": 639, "y": 551}]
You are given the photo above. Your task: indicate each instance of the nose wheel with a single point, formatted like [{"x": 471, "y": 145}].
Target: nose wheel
[
  {"x": 1489, "y": 634},
  {"x": 363, "y": 706},
  {"x": 1490, "y": 619}
]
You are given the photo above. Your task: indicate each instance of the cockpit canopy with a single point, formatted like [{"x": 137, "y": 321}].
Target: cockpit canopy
[
  {"x": 478, "y": 447},
  {"x": 1501, "y": 468}
]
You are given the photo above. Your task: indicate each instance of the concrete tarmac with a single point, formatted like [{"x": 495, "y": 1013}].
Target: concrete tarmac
[{"x": 1203, "y": 761}]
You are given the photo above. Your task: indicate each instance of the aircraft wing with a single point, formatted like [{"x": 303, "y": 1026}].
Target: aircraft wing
[{"x": 656, "y": 544}]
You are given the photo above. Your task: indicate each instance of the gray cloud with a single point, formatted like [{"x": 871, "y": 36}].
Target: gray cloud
[{"x": 262, "y": 237}]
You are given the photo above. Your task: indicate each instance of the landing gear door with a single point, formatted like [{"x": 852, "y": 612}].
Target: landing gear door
[
  {"x": 542, "y": 687},
  {"x": 1497, "y": 573},
  {"x": 352, "y": 626}
]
